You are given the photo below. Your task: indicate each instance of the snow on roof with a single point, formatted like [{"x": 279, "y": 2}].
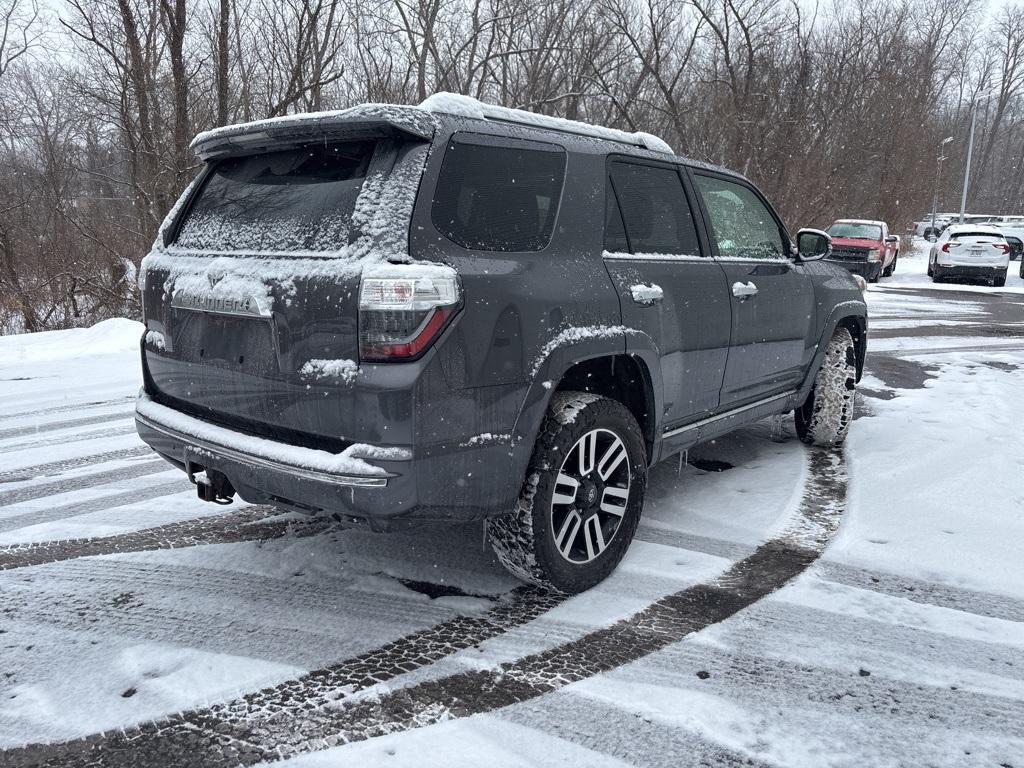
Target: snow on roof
[
  {"x": 418, "y": 121},
  {"x": 860, "y": 221},
  {"x": 466, "y": 106},
  {"x": 968, "y": 227},
  {"x": 409, "y": 119}
]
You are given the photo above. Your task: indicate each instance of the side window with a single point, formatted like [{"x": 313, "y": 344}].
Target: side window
[
  {"x": 655, "y": 212},
  {"x": 614, "y": 230},
  {"x": 740, "y": 223},
  {"x": 498, "y": 198}
]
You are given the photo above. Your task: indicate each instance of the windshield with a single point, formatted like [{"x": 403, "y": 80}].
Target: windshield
[
  {"x": 292, "y": 200},
  {"x": 857, "y": 231}
]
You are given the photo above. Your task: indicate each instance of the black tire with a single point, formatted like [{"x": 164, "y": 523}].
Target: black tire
[
  {"x": 931, "y": 272},
  {"x": 1022, "y": 267},
  {"x": 999, "y": 281},
  {"x": 826, "y": 414},
  {"x": 525, "y": 541},
  {"x": 887, "y": 272}
]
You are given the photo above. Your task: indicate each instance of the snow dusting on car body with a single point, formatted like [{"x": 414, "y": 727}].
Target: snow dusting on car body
[{"x": 386, "y": 313}]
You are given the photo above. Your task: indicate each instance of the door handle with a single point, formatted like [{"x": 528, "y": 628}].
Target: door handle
[
  {"x": 744, "y": 291},
  {"x": 646, "y": 294}
]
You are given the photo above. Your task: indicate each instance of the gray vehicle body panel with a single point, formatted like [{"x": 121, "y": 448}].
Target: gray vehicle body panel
[{"x": 468, "y": 411}]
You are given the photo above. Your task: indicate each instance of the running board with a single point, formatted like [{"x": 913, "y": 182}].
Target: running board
[{"x": 727, "y": 414}]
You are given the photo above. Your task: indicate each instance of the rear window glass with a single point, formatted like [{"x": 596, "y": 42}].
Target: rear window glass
[
  {"x": 961, "y": 235},
  {"x": 298, "y": 199},
  {"x": 498, "y": 198},
  {"x": 656, "y": 214}
]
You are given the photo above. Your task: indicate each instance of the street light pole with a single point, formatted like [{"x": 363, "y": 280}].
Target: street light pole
[
  {"x": 938, "y": 177},
  {"x": 967, "y": 167}
]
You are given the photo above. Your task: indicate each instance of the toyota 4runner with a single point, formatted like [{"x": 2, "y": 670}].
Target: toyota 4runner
[{"x": 458, "y": 311}]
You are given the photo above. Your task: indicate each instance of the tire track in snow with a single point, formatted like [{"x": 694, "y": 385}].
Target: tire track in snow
[
  {"x": 127, "y": 401},
  {"x": 79, "y": 437},
  {"x": 127, "y": 472},
  {"x": 925, "y": 592},
  {"x": 625, "y": 734},
  {"x": 889, "y": 702},
  {"x": 53, "y": 426},
  {"x": 304, "y": 622},
  {"x": 75, "y": 509},
  {"x": 310, "y": 714},
  {"x": 56, "y": 467},
  {"x": 246, "y": 524}
]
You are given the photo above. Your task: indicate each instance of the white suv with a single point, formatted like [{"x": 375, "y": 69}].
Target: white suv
[{"x": 970, "y": 251}]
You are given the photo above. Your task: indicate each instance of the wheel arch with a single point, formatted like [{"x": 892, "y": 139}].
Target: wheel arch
[
  {"x": 602, "y": 368},
  {"x": 851, "y": 315}
]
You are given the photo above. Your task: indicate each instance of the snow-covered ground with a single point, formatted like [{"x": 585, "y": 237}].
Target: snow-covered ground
[{"x": 123, "y": 599}]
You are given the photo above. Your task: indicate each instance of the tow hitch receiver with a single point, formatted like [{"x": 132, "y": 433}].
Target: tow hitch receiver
[{"x": 211, "y": 485}]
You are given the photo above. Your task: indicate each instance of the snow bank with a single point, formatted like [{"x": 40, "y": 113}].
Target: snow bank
[{"x": 110, "y": 337}]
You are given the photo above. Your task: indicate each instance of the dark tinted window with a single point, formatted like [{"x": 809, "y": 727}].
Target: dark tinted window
[
  {"x": 298, "y": 199},
  {"x": 498, "y": 198},
  {"x": 741, "y": 223},
  {"x": 654, "y": 209},
  {"x": 614, "y": 230}
]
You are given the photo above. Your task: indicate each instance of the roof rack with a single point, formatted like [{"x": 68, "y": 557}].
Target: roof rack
[{"x": 466, "y": 106}]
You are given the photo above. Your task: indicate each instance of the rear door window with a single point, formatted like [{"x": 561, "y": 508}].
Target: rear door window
[
  {"x": 498, "y": 197},
  {"x": 741, "y": 223},
  {"x": 655, "y": 213},
  {"x": 292, "y": 200}
]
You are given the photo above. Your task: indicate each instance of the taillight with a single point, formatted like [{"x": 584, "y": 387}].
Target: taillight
[
  {"x": 1002, "y": 246},
  {"x": 945, "y": 248},
  {"x": 400, "y": 317}
]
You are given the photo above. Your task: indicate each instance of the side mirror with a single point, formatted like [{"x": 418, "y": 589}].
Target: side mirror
[
  {"x": 813, "y": 244},
  {"x": 891, "y": 239}
]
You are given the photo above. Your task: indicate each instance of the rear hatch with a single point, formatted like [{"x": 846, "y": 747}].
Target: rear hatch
[
  {"x": 251, "y": 292},
  {"x": 981, "y": 248}
]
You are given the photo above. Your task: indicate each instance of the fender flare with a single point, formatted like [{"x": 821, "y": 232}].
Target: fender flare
[
  {"x": 550, "y": 370},
  {"x": 840, "y": 312}
]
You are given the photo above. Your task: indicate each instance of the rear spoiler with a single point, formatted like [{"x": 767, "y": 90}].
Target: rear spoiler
[{"x": 369, "y": 121}]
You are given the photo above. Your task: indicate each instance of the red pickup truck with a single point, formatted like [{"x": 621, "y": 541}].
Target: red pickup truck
[{"x": 865, "y": 247}]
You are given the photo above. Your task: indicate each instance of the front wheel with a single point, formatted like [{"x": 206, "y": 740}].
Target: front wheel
[
  {"x": 582, "y": 497},
  {"x": 826, "y": 414}
]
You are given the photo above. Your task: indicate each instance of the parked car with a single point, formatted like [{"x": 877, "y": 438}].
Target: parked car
[
  {"x": 927, "y": 228},
  {"x": 1012, "y": 229},
  {"x": 974, "y": 251},
  {"x": 462, "y": 312},
  {"x": 865, "y": 247}
]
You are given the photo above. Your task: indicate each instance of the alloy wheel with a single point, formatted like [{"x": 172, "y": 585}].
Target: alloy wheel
[{"x": 590, "y": 496}]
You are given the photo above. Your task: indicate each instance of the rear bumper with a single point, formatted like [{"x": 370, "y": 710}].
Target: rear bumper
[
  {"x": 973, "y": 271},
  {"x": 869, "y": 270},
  {"x": 377, "y": 486}
]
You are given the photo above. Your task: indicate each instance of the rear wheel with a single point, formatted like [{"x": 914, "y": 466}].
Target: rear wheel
[
  {"x": 1022, "y": 267},
  {"x": 826, "y": 414},
  {"x": 1000, "y": 280},
  {"x": 581, "y": 501}
]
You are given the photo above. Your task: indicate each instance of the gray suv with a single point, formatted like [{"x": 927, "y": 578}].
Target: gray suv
[{"x": 462, "y": 312}]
